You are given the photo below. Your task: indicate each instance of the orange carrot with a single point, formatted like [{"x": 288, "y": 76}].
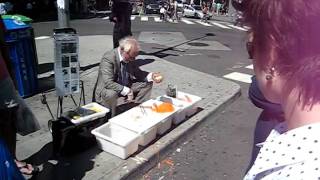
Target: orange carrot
[
  {"x": 169, "y": 162},
  {"x": 163, "y": 107}
]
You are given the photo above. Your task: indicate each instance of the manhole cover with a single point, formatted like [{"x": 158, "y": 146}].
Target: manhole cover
[
  {"x": 210, "y": 34},
  {"x": 198, "y": 44}
]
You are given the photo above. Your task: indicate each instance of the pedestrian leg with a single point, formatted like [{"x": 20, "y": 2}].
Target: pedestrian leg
[{"x": 116, "y": 37}]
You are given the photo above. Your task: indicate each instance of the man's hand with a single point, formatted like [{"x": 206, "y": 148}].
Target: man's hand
[
  {"x": 114, "y": 19},
  {"x": 130, "y": 96},
  {"x": 157, "y": 77}
]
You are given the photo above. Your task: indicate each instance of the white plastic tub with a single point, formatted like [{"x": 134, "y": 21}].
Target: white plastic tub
[
  {"x": 145, "y": 121},
  {"x": 186, "y": 104},
  {"x": 147, "y": 136},
  {"x": 164, "y": 126},
  {"x": 147, "y": 131},
  {"x": 145, "y": 125},
  {"x": 192, "y": 100},
  {"x": 116, "y": 140},
  {"x": 165, "y": 118},
  {"x": 181, "y": 113}
]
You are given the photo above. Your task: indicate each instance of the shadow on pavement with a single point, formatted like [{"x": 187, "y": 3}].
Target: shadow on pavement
[
  {"x": 45, "y": 67},
  {"x": 158, "y": 54},
  {"x": 141, "y": 62},
  {"x": 84, "y": 68},
  {"x": 46, "y": 84},
  {"x": 73, "y": 166}
]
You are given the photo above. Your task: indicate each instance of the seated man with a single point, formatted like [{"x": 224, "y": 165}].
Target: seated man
[{"x": 119, "y": 76}]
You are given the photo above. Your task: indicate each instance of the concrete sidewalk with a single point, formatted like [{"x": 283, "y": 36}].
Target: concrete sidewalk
[{"x": 94, "y": 163}]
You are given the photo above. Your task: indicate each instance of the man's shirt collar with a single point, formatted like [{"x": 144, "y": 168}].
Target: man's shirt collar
[{"x": 120, "y": 56}]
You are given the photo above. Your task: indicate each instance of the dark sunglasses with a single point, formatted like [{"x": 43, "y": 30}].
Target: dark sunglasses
[{"x": 250, "y": 49}]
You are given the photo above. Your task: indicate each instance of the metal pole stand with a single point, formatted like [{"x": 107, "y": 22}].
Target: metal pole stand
[{"x": 59, "y": 109}]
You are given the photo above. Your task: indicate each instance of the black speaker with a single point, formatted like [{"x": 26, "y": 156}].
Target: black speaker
[{"x": 69, "y": 138}]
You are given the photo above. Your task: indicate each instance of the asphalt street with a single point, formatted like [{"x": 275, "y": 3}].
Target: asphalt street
[{"x": 220, "y": 148}]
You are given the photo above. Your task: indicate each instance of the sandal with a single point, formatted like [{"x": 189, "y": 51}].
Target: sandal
[{"x": 27, "y": 169}]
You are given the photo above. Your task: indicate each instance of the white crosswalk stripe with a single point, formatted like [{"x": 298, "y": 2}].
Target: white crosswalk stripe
[
  {"x": 42, "y": 37},
  {"x": 237, "y": 27},
  {"x": 242, "y": 77},
  {"x": 187, "y": 21},
  {"x": 236, "y": 76},
  {"x": 157, "y": 19},
  {"x": 250, "y": 66},
  {"x": 144, "y": 18},
  {"x": 203, "y": 23},
  {"x": 223, "y": 25},
  {"x": 220, "y": 25}
]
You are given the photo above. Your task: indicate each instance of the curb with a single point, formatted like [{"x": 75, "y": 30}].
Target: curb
[
  {"x": 135, "y": 168},
  {"x": 224, "y": 19}
]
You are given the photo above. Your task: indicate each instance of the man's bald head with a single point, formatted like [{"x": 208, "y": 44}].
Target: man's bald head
[{"x": 130, "y": 46}]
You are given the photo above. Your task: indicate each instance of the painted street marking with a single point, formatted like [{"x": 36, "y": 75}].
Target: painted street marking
[
  {"x": 144, "y": 18},
  {"x": 250, "y": 66},
  {"x": 202, "y": 23},
  {"x": 106, "y": 18},
  {"x": 42, "y": 37},
  {"x": 46, "y": 74},
  {"x": 157, "y": 19},
  {"x": 246, "y": 78},
  {"x": 220, "y": 25},
  {"x": 132, "y": 18},
  {"x": 187, "y": 21},
  {"x": 237, "y": 27}
]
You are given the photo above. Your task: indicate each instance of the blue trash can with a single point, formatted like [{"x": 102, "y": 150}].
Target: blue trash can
[{"x": 20, "y": 38}]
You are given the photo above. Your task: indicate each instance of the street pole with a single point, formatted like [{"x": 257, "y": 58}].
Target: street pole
[
  {"x": 63, "y": 13},
  {"x": 85, "y": 6}
]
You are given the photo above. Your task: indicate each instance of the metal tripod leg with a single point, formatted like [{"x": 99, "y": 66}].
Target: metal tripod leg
[{"x": 44, "y": 101}]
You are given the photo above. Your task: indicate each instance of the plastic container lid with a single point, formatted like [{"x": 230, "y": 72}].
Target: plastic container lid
[
  {"x": 12, "y": 24},
  {"x": 18, "y": 17}
]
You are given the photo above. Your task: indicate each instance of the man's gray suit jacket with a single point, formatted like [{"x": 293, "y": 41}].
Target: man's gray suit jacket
[{"x": 109, "y": 72}]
